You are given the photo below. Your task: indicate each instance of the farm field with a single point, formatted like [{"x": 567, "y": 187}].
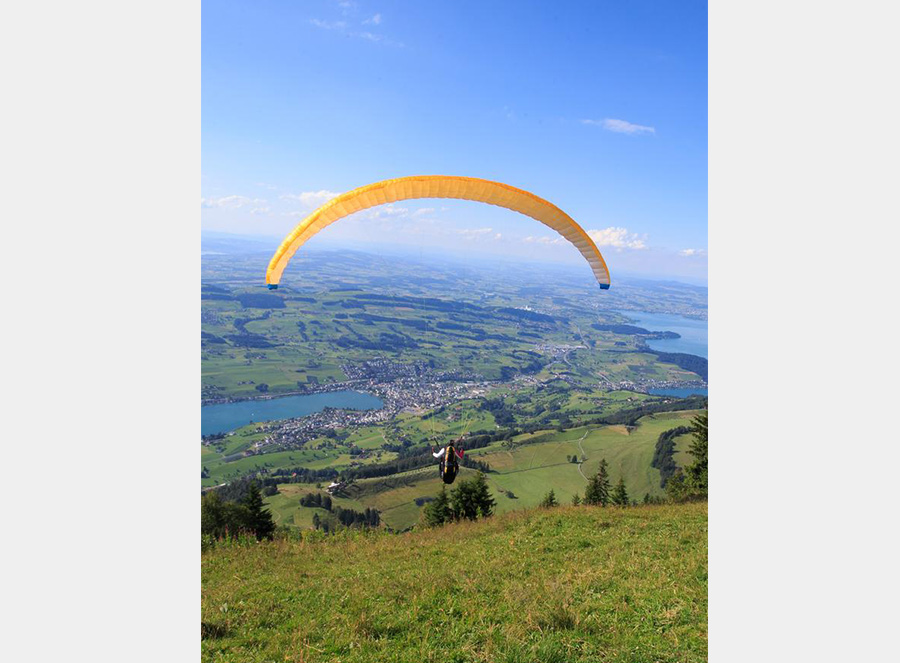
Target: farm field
[{"x": 520, "y": 477}]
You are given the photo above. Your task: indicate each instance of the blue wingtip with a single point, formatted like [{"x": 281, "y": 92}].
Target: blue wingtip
[
  {"x": 604, "y": 286},
  {"x": 274, "y": 286}
]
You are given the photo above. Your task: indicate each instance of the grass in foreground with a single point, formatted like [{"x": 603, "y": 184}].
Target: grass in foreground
[{"x": 566, "y": 584}]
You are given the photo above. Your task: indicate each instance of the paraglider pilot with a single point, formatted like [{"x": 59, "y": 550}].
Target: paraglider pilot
[{"x": 449, "y": 462}]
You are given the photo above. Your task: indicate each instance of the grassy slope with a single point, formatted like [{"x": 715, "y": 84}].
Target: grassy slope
[
  {"x": 528, "y": 471},
  {"x": 568, "y": 584}
]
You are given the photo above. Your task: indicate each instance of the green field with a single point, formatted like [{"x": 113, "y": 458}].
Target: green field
[
  {"x": 572, "y": 584},
  {"x": 490, "y": 324},
  {"x": 521, "y": 476}
]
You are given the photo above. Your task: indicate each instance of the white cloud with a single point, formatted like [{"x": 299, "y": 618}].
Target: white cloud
[
  {"x": 328, "y": 25},
  {"x": 544, "y": 239},
  {"x": 311, "y": 198},
  {"x": 618, "y": 238},
  {"x": 423, "y": 211},
  {"x": 620, "y": 126},
  {"x": 260, "y": 210},
  {"x": 342, "y": 27},
  {"x": 230, "y": 202},
  {"x": 692, "y": 252},
  {"x": 473, "y": 233}
]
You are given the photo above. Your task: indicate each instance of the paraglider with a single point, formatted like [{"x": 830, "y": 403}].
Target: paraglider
[
  {"x": 438, "y": 186},
  {"x": 449, "y": 465}
]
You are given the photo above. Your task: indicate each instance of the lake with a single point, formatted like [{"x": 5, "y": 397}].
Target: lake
[
  {"x": 693, "y": 339},
  {"x": 224, "y": 417}
]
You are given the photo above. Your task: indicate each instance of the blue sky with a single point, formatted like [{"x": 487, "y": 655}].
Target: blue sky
[{"x": 599, "y": 107}]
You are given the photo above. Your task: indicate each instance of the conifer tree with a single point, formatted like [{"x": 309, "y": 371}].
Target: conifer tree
[
  {"x": 472, "y": 498},
  {"x": 549, "y": 500},
  {"x": 212, "y": 515},
  {"x": 438, "y": 512},
  {"x": 598, "y": 488},
  {"x": 620, "y": 495},
  {"x": 259, "y": 519},
  {"x": 576, "y": 500},
  {"x": 697, "y": 474},
  {"x": 482, "y": 494}
]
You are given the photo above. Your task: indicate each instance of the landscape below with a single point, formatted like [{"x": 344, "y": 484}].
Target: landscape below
[{"x": 545, "y": 381}]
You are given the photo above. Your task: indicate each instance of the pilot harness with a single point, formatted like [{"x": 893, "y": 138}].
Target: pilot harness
[{"x": 449, "y": 465}]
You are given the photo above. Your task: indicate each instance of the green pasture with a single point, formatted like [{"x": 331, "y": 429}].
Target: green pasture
[{"x": 564, "y": 585}]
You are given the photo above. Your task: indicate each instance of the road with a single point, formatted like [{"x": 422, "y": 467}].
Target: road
[{"x": 582, "y": 456}]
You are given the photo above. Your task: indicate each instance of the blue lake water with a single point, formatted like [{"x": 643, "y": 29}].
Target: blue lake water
[
  {"x": 693, "y": 339},
  {"x": 224, "y": 417}
]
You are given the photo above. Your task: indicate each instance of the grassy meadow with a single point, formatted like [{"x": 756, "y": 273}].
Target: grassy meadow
[
  {"x": 567, "y": 584},
  {"x": 520, "y": 478}
]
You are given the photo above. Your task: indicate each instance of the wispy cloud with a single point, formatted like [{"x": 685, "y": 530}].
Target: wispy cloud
[
  {"x": 618, "y": 238},
  {"x": 475, "y": 233},
  {"x": 328, "y": 25},
  {"x": 230, "y": 202},
  {"x": 620, "y": 126},
  {"x": 544, "y": 239},
  {"x": 311, "y": 198},
  {"x": 692, "y": 252},
  {"x": 349, "y": 11}
]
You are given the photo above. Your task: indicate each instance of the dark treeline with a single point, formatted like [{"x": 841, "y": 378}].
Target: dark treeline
[
  {"x": 693, "y": 363},
  {"x": 227, "y": 518},
  {"x": 371, "y": 317},
  {"x": 479, "y": 465},
  {"x": 250, "y": 340},
  {"x": 339, "y": 517},
  {"x": 217, "y": 296},
  {"x": 631, "y": 330},
  {"x": 211, "y": 287},
  {"x": 386, "y": 342},
  {"x": 427, "y": 303},
  {"x": 663, "y": 456},
  {"x": 316, "y": 500},
  {"x": 453, "y": 325},
  {"x": 533, "y": 316},
  {"x": 630, "y": 416},
  {"x": 210, "y": 338},
  {"x": 302, "y": 475},
  {"x": 503, "y": 415},
  {"x": 628, "y": 330},
  {"x": 260, "y": 300},
  {"x": 391, "y": 467},
  {"x": 693, "y": 483}
]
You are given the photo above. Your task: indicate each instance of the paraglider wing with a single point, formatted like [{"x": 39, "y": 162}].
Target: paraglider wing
[{"x": 438, "y": 186}]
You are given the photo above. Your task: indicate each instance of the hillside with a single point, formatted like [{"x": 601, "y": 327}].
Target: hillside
[
  {"x": 566, "y": 584},
  {"x": 520, "y": 476}
]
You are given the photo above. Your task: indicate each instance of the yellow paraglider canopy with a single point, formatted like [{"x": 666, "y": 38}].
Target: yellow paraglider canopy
[{"x": 438, "y": 186}]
